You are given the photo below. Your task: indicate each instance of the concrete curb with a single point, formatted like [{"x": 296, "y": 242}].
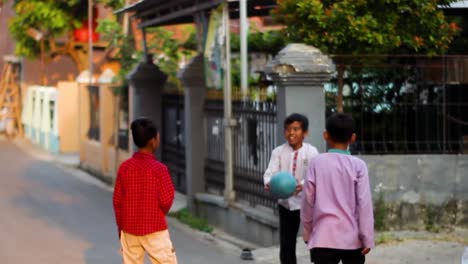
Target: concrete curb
[{"x": 204, "y": 237}]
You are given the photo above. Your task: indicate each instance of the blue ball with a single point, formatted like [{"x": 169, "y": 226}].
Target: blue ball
[{"x": 282, "y": 185}]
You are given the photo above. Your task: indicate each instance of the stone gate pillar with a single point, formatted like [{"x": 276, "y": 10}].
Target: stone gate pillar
[
  {"x": 193, "y": 80},
  {"x": 146, "y": 89},
  {"x": 300, "y": 72}
]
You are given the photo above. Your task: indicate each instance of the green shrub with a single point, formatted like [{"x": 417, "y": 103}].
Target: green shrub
[
  {"x": 194, "y": 222},
  {"x": 380, "y": 213}
]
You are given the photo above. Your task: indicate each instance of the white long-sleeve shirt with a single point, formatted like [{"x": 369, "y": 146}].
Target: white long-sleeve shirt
[{"x": 282, "y": 159}]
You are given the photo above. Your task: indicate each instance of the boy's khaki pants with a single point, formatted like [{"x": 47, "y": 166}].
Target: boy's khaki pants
[{"x": 157, "y": 245}]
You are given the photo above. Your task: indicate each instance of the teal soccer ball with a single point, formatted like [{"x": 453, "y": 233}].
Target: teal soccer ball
[{"x": 282, "y": 185}]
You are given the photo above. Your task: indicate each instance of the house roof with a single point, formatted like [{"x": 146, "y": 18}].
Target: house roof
[
  {"x": 456, "y": 8},
  {"x": 162, "y": 12},
  {"x": 459, "y": 4}
]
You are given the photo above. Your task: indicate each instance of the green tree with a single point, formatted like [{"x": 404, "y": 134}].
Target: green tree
[
  {"x": 123, "y": 46},
  {"x": 168, "y": 51},
  {"x": 358, "y": 27},
  {"x": 39, "y": 23},
  {"x": 114, "y": 4}
]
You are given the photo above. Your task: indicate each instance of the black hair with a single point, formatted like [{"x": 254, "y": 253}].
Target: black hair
[
  {"x": 143, "y": 130},
  {"x": 340, "y": 127},
  {"x": 299, "y": 118}
]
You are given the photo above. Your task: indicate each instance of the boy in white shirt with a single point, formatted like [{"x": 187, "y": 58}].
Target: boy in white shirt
[{"x": 294, "y": 157}]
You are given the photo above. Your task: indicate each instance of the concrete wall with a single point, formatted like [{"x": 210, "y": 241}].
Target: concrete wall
[
  {"x": 99, "y": 157},
  {"x": 250, "y": 224},
  {"x": 93, "y": 151},
  {"x": 416, "y": 192},
  {"x": 68, "y": 115},
  {"x": 433, "y": 179},
  {"x": 83, "y": 119},
  {"x": 107, "y": 126},
  {"x": 123, "y": 156},
  {"x": 419, "y": 191},
  {"x": 103, "y": 157}
]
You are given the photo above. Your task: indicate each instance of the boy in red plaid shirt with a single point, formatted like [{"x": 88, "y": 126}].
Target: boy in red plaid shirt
[{"x": 143, "y": 195}]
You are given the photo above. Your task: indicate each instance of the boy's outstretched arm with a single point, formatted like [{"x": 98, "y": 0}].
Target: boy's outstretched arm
[
  {"x": 308, "y": 202},
  {"x": 365, "y": 209}
]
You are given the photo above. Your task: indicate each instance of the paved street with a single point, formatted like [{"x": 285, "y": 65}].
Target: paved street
[{"x": 50, "y": 216}]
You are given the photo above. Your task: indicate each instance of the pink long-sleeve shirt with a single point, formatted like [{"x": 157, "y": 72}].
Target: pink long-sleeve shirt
[{"x": 336, "y": 207}]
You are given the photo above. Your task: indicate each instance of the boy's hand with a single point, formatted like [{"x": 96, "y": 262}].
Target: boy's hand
[
  {"x": 298, "y": 189},
  {"x": 365, "y": 251},
  {"x": 267, "y": 187}
]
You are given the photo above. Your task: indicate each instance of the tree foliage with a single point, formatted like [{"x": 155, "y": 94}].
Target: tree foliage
[
  {"x": 368, "y": 27},
  {"x": 167, "y": 50},
  {"x": 114, "y": 4},
  {"x": 363, "y": 27},
  {"x": 270, "y": 42},
  {"x": 51, "y": 17},
  {"x": 112, "y": 32}
]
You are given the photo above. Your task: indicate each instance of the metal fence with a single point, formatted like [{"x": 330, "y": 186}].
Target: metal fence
[
  {"x": 254, "y": 138},
  {"x": 405, "y": 104},
  {"x": 124, "y": 119},
  {"x": 94, "y": 113},
  {"x": 173, "y": 139},
  {"x": 123, "y": 139}
]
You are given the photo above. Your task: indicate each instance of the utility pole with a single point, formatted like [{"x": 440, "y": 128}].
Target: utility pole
[
  {"x": 90, "y": 40},
  {"x": 244, "y": 31},
  {"x": 117, "y": 103},
  {"x": 229, "y": 194}
]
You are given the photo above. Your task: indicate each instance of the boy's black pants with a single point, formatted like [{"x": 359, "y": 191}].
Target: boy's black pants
[
  {"x": 333, "y": 256},
  {"x": 289, "y": 226}
]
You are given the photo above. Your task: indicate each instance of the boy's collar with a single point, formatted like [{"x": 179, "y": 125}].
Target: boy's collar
[
  {"x": 340, "y": 151},
  {"x": 293, "y": 148},
  {"x": 143, "y": 154}
]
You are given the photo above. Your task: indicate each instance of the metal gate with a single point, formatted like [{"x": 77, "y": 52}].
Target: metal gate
[{"x": 173, "y": 139}]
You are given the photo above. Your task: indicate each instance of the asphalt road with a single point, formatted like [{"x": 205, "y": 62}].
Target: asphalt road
[{"x": 49, "y": 216}]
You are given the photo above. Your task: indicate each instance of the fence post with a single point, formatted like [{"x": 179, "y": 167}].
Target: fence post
[
  {"x": 300, "y": 72},
  {"x": 146, "y": 88},
  {"x": 192, "y": 78}
]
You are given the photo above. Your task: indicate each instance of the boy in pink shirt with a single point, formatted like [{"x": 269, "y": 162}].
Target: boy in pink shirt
[{"x": 336, "y": 211}]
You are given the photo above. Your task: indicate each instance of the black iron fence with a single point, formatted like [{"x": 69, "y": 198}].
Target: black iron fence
[
  {"x": 94, "y": 113},
  {"x": 405, "y": 104},
  {"x": 254, "y": 138},
  {"x": 172, "y": 137},
  {"x": 124, "y": 119},
  {"x": 402, "y": 105},
  {"x": 123, "y": 139}
]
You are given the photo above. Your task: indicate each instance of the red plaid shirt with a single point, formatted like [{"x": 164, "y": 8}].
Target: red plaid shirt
[{"x": 143, "y": 195}]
